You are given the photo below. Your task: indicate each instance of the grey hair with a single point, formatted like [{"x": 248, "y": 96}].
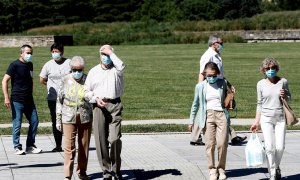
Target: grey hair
[
  {"x": 267, "y": 62},
  {"x": 106, "y": 46},
  {"x": 77, "y": 59},
  {"x": 25, "y": 46},
  {"x": 212, "y": 39}
]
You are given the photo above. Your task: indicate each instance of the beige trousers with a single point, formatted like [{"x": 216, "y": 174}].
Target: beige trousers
[
  {"x": 107, "y": 130},
  {"x": 84, "y": 135},
  {"x": 216, "y": 133}
]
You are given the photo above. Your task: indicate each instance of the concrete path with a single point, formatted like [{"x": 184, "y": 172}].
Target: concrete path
[{"x": 166, "y": 156}]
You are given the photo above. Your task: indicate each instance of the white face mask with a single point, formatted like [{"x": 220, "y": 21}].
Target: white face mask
[
  {"x": 77, "y": 74},
  {"x": 28, "y": 57},
  {"x": 56, "y": 56}
]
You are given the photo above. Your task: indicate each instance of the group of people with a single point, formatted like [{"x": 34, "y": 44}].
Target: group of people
[
  {"x": 210, "y": 111},
  {"x": 77, "y": 101}
]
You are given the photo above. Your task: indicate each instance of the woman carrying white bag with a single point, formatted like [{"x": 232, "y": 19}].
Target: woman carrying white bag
[{"x": 270, "y": 114}]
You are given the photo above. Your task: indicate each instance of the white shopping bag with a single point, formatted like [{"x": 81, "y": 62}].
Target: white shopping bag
[{"x": 254, "y": 151}]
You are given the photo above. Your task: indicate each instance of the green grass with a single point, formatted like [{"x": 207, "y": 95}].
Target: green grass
[{"x": 160, "y": 79}]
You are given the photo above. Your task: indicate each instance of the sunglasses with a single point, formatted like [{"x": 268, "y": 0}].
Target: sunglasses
[
  {"x": 211, "y": 76},
  {"x": 273, "y": 67},
  {"x": 78, "y": 70}
]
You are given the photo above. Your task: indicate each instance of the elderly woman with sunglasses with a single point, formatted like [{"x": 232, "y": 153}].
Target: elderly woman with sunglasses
[
  {"x": 75, "y": 115},
  {"x": 270, "y": 115}
]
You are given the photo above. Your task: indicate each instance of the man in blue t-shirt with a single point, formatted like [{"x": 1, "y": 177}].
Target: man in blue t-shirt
[{"x": 20, "y": 72}]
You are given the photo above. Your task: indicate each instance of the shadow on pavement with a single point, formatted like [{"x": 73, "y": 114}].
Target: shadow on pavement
[
  {"x": 292, "y": 177},
  {"x": 140, "y": 174},
  {"x": 245, "y": 172},
  {"x": 39, "y": 165},
  {"x": 9, "y": 164}
]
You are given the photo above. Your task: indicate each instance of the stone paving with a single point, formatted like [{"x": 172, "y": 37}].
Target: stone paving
[{"x": 144, "y": 156}]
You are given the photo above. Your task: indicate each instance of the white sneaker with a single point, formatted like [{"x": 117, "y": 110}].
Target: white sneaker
[
  {"x": 222, "y": 176},
  {"x": 33, "y": 149},
  {"x": 19, "y": 151}
]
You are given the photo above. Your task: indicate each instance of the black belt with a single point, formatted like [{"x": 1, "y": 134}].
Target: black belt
[{"x": 113, "y": 101}]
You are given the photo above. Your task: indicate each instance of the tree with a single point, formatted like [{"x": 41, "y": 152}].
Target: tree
[
  {"x": 198, "y": 10},
  {"x": 159, "y": 11},
  {"x": 9, "y": 16}
]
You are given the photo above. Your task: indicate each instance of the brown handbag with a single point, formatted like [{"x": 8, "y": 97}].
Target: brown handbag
[{"x": 290, "y": 115}]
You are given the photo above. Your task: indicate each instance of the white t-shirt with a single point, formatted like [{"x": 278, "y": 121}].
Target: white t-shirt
[
  {"x": 213, "y": 99},
  {"x": 212, "y": 56},
  {"x": 54, "y": 72}
]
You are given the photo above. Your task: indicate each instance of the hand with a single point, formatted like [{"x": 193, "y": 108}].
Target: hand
[
  {"x": 190, "y": 127},
  {"x": 254, "y": 127},
  {"x": 7, "y": 103},
  {"x": 282, "y": 93},
  {"x": 106, "y": 50},
  {"x": 100, "y": 102},
  {"x": 59, "y": 126}
]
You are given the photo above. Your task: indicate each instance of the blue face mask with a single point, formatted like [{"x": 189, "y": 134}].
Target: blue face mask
[
  {"x": 271, "y": 73},
  {"x": 220, "y": 48},
  {"x": 56, "y": 56},
  {"x": 28, "y": 57},
  {"x": 212, "y": 79},
  {"x": 77, "y": 74},
  {"x": 106, "y": 59}
]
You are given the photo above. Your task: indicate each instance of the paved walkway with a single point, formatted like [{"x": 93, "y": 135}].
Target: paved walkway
[{"x": 146, "y": 156}]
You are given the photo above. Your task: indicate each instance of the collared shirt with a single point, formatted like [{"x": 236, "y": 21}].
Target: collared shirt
[
  {"x": 212, "y": 56},
  {"x": 105, "y": 83}
]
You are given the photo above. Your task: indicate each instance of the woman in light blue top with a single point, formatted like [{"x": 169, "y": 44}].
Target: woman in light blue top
[
  {"x": 270, "y": 115},
  {"x": 214, "y": 118}
]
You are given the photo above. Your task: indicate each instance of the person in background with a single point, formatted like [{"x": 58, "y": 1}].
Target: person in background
[
  {"x": 270, "y": 114},
  {"x": 51, "y": 75},
  {"x": 104, "y": 87},
  {"x": 20, "y": 72},
  {"x": 74, "y": 116},
  {"x": 213, "y": 54},
  {"x": 214, "y": 119}
]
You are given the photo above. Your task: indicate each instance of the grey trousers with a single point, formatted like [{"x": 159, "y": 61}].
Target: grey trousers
[{"x": 107, "y": 130}]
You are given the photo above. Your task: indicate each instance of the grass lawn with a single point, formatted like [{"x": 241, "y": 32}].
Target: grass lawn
[{"x": 160, "y": 79}]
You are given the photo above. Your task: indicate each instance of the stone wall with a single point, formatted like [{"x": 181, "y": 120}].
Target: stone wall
[
  {"x": 263, "y": 36},
  {"x": 35, "y": 41},
  {"x": 249, "y": 36},
  {"x": 18, "y": 41}
]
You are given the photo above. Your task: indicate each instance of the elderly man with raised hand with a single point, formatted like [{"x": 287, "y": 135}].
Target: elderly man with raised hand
[{"x": 104, "y": 87}]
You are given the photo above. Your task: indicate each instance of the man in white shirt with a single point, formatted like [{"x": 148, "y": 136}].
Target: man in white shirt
[
  {"x": 104, "y": 87},
  {"x": 213, "y": 54}
]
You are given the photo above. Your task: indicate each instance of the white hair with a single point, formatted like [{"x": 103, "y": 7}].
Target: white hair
[{"x": 77, "y": 59}]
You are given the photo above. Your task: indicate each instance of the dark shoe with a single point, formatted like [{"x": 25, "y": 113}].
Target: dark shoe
[
  {"x": 107, "y": 178},
  {"x": 238, "y": 140},
  {"x": 57, "y": 149},
  {"x": 199, "y": 143},
  {"x": 278, "y": 173},
  {"x": 83, "y": 176},
  {"x": 118, "y": 176}
]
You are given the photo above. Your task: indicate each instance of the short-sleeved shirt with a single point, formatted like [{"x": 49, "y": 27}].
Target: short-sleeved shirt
[
  {"x": 54, "y": 72},
  {"x": 212, "y": 56},
  {"x": 21, "y": 81}
]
